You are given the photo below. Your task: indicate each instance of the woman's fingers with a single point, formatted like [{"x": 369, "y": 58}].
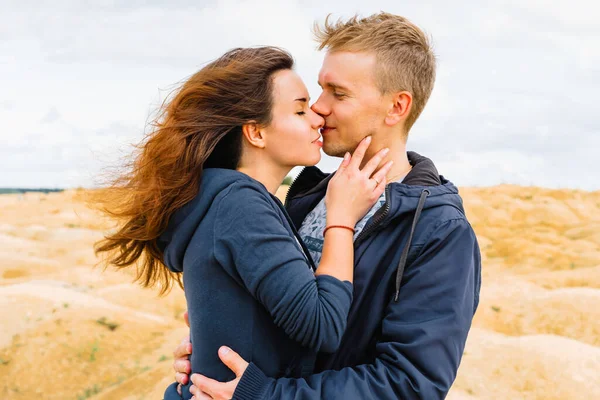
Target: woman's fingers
[
  {"x": 374, "y": 162},
  {"x": 379, "y": 188},
  {"x": 345, "y": 161},
  {"x": 380, "y": 175},
  {"x": 359, "y": 153}
]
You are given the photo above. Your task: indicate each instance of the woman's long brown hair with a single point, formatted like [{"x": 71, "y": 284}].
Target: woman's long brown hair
[{"x": 199, "y": 126}]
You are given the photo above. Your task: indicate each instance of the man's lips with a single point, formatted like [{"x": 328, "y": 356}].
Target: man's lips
[{"x": 326, "y": 129}]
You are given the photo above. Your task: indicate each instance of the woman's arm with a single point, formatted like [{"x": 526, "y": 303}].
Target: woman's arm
[
  {"x": 351, "y": 192},
  {"x": 254, "y": 246}
]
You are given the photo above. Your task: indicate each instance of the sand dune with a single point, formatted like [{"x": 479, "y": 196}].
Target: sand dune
[
  {"x": 496, "y": 366},
  {"x": 73, "y": 331}
]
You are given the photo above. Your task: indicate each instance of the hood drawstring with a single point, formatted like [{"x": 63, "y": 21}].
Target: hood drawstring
[{"x": 404, "y": 255}]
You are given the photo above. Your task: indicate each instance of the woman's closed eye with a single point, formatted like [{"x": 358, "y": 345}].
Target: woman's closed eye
[{"x": 300, "y": 113}]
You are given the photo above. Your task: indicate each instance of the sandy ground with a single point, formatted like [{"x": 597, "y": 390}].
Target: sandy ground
[{"x": 72, "y": 331}]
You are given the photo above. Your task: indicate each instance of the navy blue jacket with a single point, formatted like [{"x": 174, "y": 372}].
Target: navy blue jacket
[
  {"x": 416, "y": 288},
  {"x": 249, "y": 282}
]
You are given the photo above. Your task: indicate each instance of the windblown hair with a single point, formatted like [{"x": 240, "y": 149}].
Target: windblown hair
[
  {"x": 198, "y": 126},
  {"x": 405, "y": 59}
]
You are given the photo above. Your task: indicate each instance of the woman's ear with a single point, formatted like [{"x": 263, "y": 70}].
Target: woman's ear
[{"x": 254, "y": 134}]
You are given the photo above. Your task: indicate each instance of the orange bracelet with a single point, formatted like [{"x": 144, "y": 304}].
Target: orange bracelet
[{"x": 338, "y": 226}]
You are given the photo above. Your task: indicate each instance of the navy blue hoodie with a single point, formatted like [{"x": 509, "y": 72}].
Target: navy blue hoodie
[
  {"x": 249, "y": 282},
  {"x": 416, "y": 288}
]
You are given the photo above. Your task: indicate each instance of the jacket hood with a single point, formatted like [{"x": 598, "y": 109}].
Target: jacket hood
[
  {"x": 404, "y": 197},
  {"x": 174, "y": 241}
]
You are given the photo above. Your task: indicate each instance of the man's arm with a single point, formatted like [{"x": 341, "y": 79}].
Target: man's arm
[{"x": 423, "y": 334}]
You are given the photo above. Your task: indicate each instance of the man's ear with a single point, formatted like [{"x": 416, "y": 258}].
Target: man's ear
[
  {"x": 399, "y": 109},
  {"x": 254, "y": 134}
]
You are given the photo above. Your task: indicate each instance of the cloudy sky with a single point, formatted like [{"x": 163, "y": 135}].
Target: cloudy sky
[{"x": 514, "y": 99}]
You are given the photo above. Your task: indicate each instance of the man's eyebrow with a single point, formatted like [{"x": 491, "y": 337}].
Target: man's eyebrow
[{"x": 334, "y": 86}]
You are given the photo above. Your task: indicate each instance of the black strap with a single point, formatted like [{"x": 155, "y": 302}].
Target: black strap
[{"x": 404, "y": 255}]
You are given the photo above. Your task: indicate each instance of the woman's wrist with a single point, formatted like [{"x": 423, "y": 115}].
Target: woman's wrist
[
  {"x": 342, "y": 227},
  {"x": 340, "y": 220}
]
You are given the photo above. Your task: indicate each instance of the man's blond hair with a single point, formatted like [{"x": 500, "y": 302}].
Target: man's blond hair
[{"x": 405, "y": 60}]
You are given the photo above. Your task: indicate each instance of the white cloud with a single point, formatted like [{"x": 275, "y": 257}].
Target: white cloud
[{"x": 515, "y": 97}]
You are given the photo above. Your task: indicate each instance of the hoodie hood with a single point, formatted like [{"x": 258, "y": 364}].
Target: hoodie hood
[{"x": 174, "y": 241}]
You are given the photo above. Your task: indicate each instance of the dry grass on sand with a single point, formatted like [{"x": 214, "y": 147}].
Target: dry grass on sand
[{"x": 70, "y": 331}]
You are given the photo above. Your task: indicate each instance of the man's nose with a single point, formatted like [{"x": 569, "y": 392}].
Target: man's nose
[{"x": 320, "y": 108}]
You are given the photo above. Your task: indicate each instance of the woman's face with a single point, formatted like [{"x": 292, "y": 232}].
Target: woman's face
[{"x": 292, "y": 137}]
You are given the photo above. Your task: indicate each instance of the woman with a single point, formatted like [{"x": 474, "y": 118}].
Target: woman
[{"x": 200, "y": 199}]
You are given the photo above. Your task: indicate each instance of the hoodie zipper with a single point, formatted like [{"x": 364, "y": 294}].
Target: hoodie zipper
[{"x": 378, "y": 218}]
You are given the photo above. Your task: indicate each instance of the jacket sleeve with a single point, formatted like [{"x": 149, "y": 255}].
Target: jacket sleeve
[
  {"x": 423, "y": 334},
  {"x": 253, "y": 244}
]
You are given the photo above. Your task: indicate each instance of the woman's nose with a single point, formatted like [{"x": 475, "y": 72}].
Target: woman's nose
[{"x": 317, "y": 121}]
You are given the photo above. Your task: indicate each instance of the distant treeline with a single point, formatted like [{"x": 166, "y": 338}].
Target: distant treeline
[{"x": 24, "y": 190}]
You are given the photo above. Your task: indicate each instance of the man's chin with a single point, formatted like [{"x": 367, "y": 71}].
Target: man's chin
[{"x": 333, "y": 151}]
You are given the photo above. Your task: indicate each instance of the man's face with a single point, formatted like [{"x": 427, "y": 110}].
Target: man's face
[{"x": 351, "y": 103}]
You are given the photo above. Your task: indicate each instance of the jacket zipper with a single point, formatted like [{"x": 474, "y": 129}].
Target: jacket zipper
[
  {"x": 297, "y": 236},
  {"x": 287, "y": 195},
  {"x": 380, "y": 216}
]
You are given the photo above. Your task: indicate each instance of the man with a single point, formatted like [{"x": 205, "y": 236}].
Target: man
[{"x": 417, "y": 262}]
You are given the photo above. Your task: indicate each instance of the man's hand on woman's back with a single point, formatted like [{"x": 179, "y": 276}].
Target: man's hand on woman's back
[{"x": 182, "y": 364}]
